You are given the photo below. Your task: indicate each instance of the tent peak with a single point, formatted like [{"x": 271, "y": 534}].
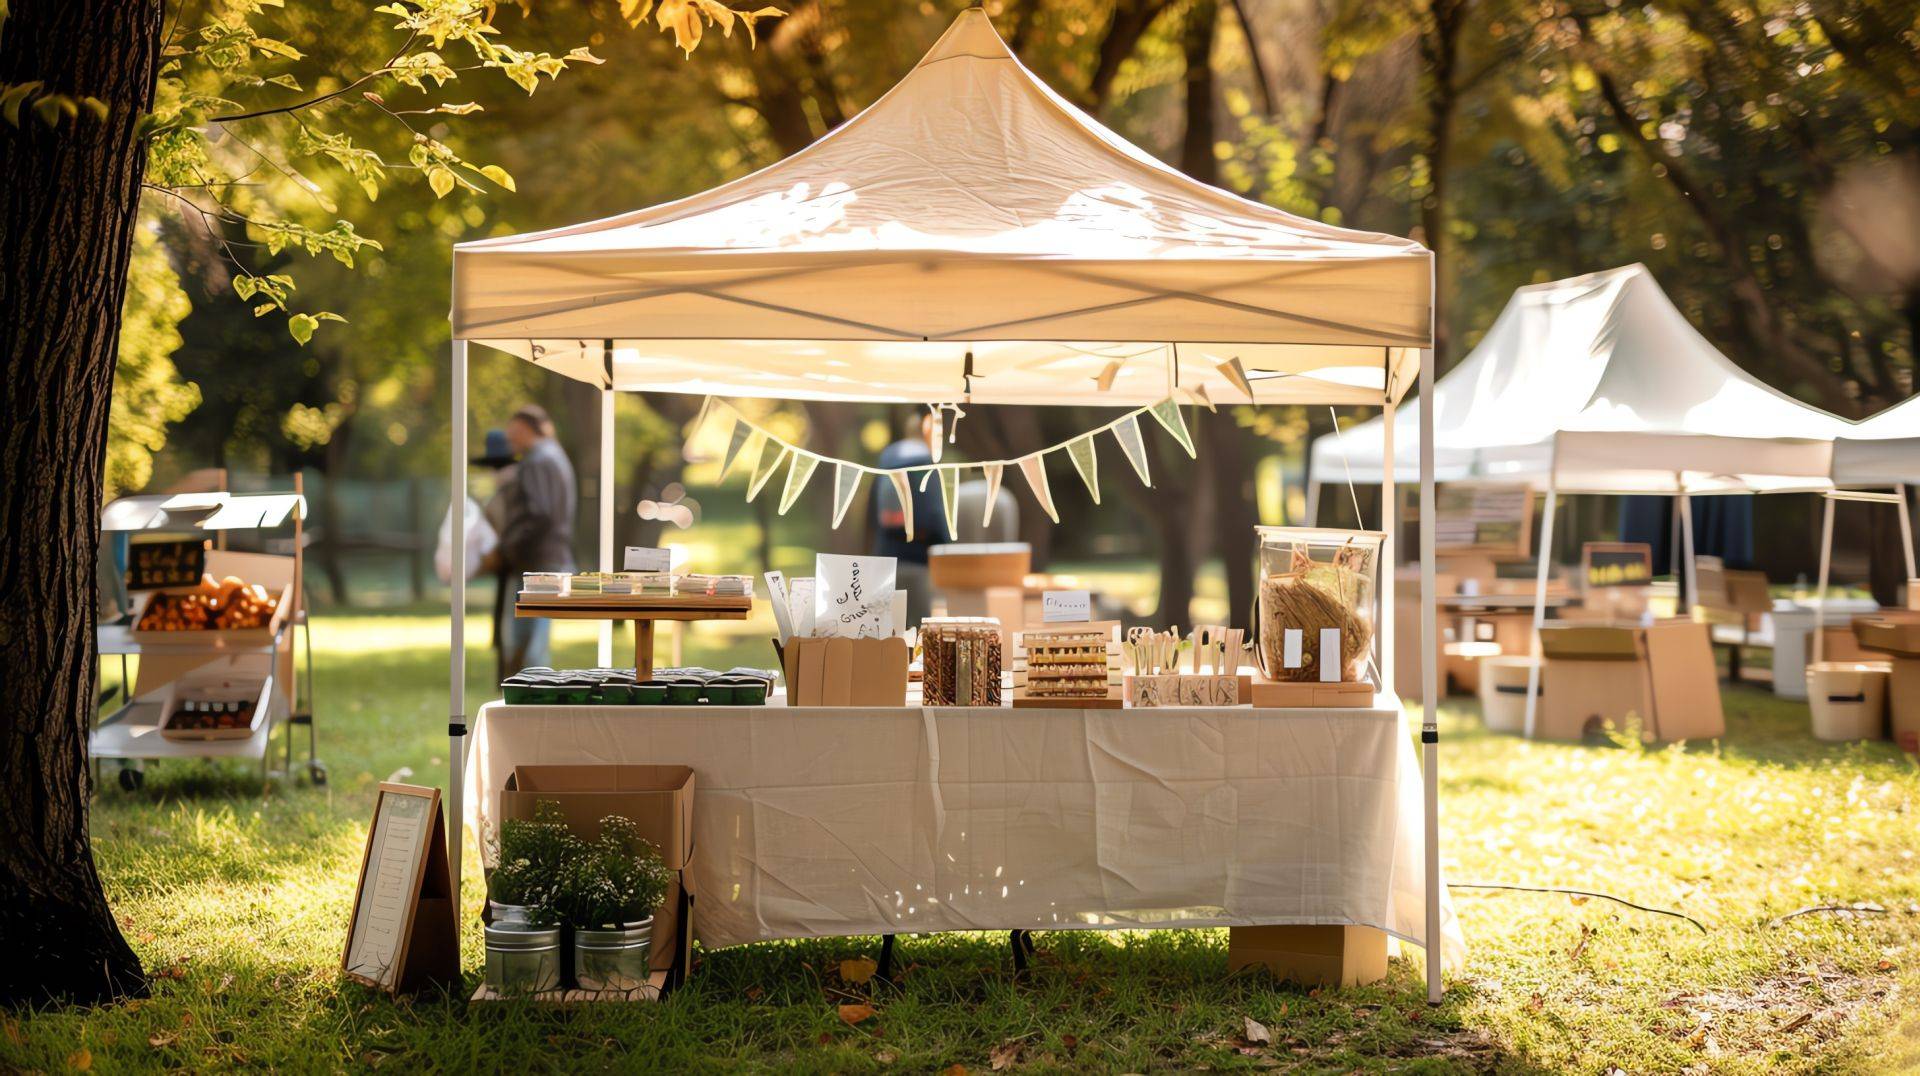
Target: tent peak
[{"x": 970, "y": 34}]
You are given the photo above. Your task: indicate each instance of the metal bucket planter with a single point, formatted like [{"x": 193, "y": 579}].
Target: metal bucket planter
[
  {"x": 507, "y": 913},
  {"x": 522, "y": 959},
  {"x": 613, "y": 958}
]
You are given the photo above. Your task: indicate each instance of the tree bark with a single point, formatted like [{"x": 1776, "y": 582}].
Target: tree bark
[{"x": 67, "y": 212}]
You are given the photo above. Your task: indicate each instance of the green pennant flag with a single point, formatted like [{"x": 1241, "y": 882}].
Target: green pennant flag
[
  {"x": 1168, "y": 413},
  {"x": 1127, "y": 432},
  {"x": 993, "y": 470},
  {"x": 798, "y": 472},
  {"x": 1035, "y": 468},
  {"x": 744, "y": 437},
  {"x": 950, "y": 499},
  {"x": 846, "y": 483},
  {"x": 764, "y": 471},
  {"x": 906, "y": 500},
  {"x": 1085, "y": 461}
]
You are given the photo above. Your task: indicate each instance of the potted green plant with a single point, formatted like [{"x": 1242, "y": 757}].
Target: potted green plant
[
  {"x": 606, "y": 891},
  {"x": 524, "y": 944}
]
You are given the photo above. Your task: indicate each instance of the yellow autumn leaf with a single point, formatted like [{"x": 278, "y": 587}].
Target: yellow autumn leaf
[
  {"x": 440, "y": 180},
  {"x": 80, "y": 1060},
  {"x": 858, "y": 970},
  {"x": 498, "y": 175},
  {"x": 751, "y": 20}
]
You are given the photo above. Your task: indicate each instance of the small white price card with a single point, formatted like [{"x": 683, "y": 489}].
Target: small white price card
[
  {"x": 646, "y": 558},
  {"x": 1066, "y": 606}
]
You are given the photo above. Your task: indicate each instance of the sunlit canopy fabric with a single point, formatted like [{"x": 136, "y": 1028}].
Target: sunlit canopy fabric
[
  {"x": 1881, "y": 451},
  {"x": 1599, "y": 384},
  {"x": 970, "y": 210}
]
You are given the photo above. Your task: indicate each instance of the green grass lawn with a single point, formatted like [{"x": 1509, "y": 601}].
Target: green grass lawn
[{"x": 236, "y": 898}]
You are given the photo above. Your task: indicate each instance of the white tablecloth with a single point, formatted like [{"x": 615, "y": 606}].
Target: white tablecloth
[{"x": 825, "y": 822}]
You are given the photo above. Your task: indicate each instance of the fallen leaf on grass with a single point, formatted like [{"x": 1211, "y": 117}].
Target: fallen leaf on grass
[
  {"x": 1884, "y": 965},
  {"x": 1071, "y": 1042},
  {"x": 1577, "y": 899},
  {"x": 753, "y": 993},
  {"x": 858, "y": 970},
  {"x": 80, "y": 1060},
  {"x": 1003, "y": 1056},
  {"x": 1257, "y": 1032},
  {"x": 853, "y": 1014},
  {"x": 162, "y": 1038},
  {"x": 885, "y": 1057},
  {"x": 1796, "y": 1023},
  {"x": 955, "y": 1069}
]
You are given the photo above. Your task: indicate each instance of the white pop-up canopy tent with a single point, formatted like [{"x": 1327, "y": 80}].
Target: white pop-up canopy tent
[
  {"x": 970, "y": 237},
  {"x": 1598, "y": 384},
  {"x": 1881, "y": 451}
]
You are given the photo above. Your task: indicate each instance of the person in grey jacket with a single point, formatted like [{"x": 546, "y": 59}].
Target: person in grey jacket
[{"x": 538, "y": 502}]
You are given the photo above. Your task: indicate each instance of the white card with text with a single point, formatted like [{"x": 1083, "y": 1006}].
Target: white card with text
[
  {"x": 647, "y": 558},
  {"x": 853, "y": 596},
  {"x": 1066, "y": 606}
]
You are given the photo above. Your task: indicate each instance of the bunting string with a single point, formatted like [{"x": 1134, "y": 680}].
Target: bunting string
[{"x": 761, "y": 453}]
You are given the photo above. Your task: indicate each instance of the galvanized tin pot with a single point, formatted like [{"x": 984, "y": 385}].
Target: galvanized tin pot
[
  {"x": 522, "y": 959},
  {"x": 613, "y": 958}
]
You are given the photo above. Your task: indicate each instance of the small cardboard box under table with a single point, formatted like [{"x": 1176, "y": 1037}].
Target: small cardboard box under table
[
  {"x": 1311, "y": 955},
  {"x": 659, "y": 802},
  {"x": 1662, "y": 673},
  {"x": 1895, "y": 634}
]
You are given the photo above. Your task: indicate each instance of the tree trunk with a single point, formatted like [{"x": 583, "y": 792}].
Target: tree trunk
[{"x": 67, "y": 214}]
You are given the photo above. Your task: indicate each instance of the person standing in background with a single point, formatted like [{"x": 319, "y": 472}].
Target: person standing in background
[
  {"x": 498, "y": 457},
  {"x": 929, "y": 519},
  {"x": 537, "y": 504}
]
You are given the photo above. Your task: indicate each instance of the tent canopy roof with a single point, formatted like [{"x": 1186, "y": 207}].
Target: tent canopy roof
[
  {"x": 969, "y": 209},
  {"x": 1883, "y": 450},
  {"x": 1598, "y": 381}
]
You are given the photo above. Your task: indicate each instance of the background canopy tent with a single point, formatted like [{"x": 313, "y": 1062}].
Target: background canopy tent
[
  {"x": 1598, "y": 384},
  {"x": 970, "y": 209},
  {"x": 969, "y": 237},
  {"x": 1880, "y": 451}
]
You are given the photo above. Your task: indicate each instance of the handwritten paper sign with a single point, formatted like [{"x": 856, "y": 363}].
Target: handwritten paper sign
[
  {"x": 853, "y": 597},
  {"x": 171, "y": 562},
  {"x": 1066, "y": 606},
  {"x": 646, "y": 558},
  {"x": 401, "y": 936}
]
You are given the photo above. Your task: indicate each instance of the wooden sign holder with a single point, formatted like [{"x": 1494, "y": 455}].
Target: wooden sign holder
[{"x": 427, "y": 951}]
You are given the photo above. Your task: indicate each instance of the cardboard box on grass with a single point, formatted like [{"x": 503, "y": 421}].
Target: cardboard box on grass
[
  {"x": 1895, "y": 634},
  {"x": 659, "y": 802},
  {"x": 1662, "y": 673},
  {"x": 1311, "y": 955}
]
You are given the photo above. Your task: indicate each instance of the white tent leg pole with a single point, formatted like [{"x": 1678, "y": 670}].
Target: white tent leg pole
[
  {"x": 457, "y": 643},
  {"x": 1541, "y": 573},
  {"x": 1906, "y": 535},
  {"x": 1429, "y": 675},
  {"x": 1686, "y": 557},
  {"x": 1389, "y": 560},
  {"x": 1820, "y": 596},
  {"x": 1313, "y": 503},
  {"x": 605, "y": 659}
]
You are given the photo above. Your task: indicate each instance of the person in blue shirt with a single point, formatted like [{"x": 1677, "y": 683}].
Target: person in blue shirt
[{"x": 889, "y": 517}]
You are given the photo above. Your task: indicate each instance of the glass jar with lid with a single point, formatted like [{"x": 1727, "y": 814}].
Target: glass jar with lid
[{"x": 1313, "y": 579}]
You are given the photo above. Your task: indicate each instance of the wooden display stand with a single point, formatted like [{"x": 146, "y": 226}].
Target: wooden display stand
[
  {"x": 1312, "y": 694},
  {"x": 642, "y": 609}
]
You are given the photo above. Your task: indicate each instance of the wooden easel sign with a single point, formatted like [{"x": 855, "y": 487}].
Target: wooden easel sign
[{"x": 401, "y": 936}]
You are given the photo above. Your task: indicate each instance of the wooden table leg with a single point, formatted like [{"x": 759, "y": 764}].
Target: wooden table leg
[{"x": 643, "y": 650}]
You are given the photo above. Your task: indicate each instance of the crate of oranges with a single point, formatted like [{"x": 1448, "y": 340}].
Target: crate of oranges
[{"x": 232, "y": 608}]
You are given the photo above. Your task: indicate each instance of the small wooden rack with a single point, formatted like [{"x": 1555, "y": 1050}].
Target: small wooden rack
[{"x": 642, "y": 609}]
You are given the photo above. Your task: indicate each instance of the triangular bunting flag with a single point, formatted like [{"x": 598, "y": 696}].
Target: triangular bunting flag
[
  {"x": 925, "y": 477},
  {"x": 1085, "y": 461},
  {"x": 764, "y": 471},
  {"x": 1236, "y": 373},
  {"x": 846, "y": 483},
  {"x": 1127, "y": 432},
  {"x": 798, "y": 472},
  {"x": 743, "y": 435},
  {"x": 1168, "y": 413},
  {"x": 1035, "y": 468},
  {"x": 950, "y": 499},
  {"x": 906, "y": 500},
  {"x": 993, "y": 471},
  {"x": 1107, "y": 374},
  {"x": 1198, "y": 394}
]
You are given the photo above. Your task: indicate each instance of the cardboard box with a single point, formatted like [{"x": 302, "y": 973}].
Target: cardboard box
[
  {"x": 1663, "y": 674},
  {"x": 659, "y": 802},
  {"x": 1311, "y": 955},
  {"x": 846, "y": 672},
  {"x": 979, "y": 566},
  {"x": 1903, "y": 703},
  {"x": 1895, "y": 631}
]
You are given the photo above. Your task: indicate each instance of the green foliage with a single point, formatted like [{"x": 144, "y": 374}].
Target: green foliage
[
  {"x": 614, "y": 879},
  {"x": 531, "y": 856},
  {"x": 147, "y": 391}
]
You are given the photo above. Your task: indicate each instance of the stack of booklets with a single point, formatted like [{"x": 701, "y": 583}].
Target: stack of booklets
[
  {"x": 543, "y": 583},
  {"x": 724, "y": 586}
]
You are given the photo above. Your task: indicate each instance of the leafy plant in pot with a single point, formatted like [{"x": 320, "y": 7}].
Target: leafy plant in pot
[
  {"x": 531, "y": 857},
  {"x": 606, "y": 891}
]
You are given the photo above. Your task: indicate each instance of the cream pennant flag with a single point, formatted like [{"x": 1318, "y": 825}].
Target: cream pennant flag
[
  {"x": 950, "y": 499},
  {"x": 1086, "y": 461},
  {"x": 1105, "y": 380},
  {"x": 1236, "y": 373},
  {"x": 1035, "y": 468},
  {"x": 764, "y": 471},
  {"x": 925, "y": 477},
  {"x": 906, "y": 499},
  {"x": 798, "y": 472},
  {"x": 744, "y": 437},
  {"x": 846, "y": 483},
  {"x": 1168, "y": 414},
  {"x": 1127, "y": 432},
  {"x": 993, "y": 472},
  {"x": 1198, "y": 394}
]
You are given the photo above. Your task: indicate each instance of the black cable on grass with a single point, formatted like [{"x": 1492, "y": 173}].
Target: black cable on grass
[
  {"x": 1844, "y": 909},
  {"x": 1582, "y": 893}
]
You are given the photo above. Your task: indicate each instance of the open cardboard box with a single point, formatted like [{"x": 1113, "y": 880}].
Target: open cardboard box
[
  {"x": 227, "y": 684},
  {"x": 274, "y": 573},
  {"x": 659, "y": 802},
  {"x": 1662, "y": 673},
  {"x": 845, "y": 672}
]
